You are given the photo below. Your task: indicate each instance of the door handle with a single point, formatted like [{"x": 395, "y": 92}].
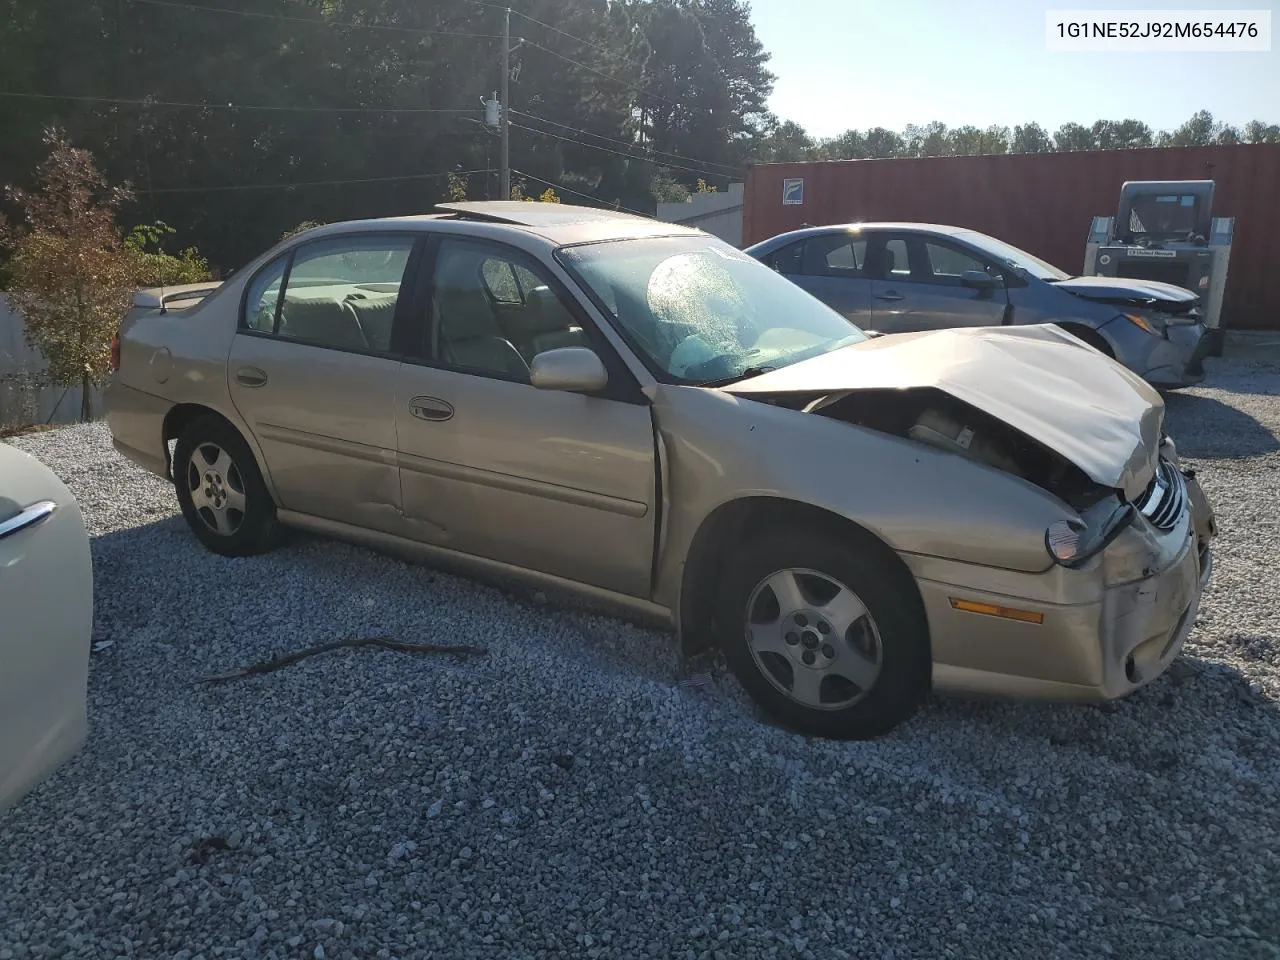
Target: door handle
[
  {"x": 890, "y": 295},
  {"x": 251, "y": 376},
  {"x": 430, "y": 408},
  {"x": 34, "y": 515}
]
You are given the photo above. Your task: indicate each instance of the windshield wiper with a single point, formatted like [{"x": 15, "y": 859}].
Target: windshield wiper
[{"x": 746, "y": 374}]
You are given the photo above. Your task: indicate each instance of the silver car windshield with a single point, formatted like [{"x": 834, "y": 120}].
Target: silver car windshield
[
  {"x": 699, "y": 311},
  {"x": 1040, "y": 269}
]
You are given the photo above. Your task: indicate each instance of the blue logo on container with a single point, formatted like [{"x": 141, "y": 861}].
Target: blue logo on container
[{"x": 793, "y": 192}]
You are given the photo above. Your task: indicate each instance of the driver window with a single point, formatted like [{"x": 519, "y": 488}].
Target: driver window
[
  {"x": 492, "y": 311},
  {"x": 947, "y": 264},
  {"x": 341, "y": 293}
]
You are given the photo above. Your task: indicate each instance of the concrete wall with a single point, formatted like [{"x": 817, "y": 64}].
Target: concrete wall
[
  {"x": 719, "y": 214},
  {"x": 21, "y": 402}
]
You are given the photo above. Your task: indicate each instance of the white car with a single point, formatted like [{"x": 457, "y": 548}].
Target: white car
[{"x": 46, "y": 621}]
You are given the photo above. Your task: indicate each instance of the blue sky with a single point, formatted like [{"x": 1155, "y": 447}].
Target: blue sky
[{"x": 854, "y": 63}]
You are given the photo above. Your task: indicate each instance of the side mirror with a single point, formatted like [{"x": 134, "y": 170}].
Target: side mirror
[
  {"x": 979, "y": 280},
  {"x": 570, "y": 369}
]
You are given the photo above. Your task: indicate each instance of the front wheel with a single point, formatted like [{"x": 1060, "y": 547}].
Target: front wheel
[
  {"x": 827, "y": 636},
  {"x": 221, "y": 492}
]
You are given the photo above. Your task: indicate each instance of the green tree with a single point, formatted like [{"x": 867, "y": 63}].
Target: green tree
[
  {"x": 1030, "y": 138},
  {"x": 1255, "y": 131},
  {"x": 1200, "y": 131},
  {"x": 71, "y": 277},
  {"x": 785, "y": 142},
  {"x": 930, "y": 140},
  {"x": 1121, "y": 135},
  {"x": 1072, "y": 136}
]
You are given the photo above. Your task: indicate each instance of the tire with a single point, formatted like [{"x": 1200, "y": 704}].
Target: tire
[
  {"x": 1091, "y": 337},
  {"x": 221, "y": 491},
  {"x": 886, "y": 647}
]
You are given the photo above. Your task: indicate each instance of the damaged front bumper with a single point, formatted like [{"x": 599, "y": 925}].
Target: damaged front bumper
[
  {"x": 1177, "y": 360},
  {"x": 1092, "y": 634}
]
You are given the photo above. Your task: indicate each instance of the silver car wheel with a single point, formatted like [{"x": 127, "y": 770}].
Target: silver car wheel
[
  {"x": 813, "y": 639},
  {"x": 216, "y": 488}
]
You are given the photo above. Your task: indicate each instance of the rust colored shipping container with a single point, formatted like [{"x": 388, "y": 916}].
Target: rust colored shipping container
[{"x": 1042, "y": 203}]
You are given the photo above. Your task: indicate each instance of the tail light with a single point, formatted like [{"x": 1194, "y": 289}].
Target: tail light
[{"x": 115, "y": 352}]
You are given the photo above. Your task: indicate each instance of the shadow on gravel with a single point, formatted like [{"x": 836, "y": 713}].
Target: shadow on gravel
[
  {"x": 1175, "y": 721},
  {"x": 1210, "y": 429},
  {"x": 1241, "y": 375}
]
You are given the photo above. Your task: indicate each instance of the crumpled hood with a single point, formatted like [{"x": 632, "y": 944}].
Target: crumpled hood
[
  {"x": 1126, "y": 288},
  {"x": 1038, "y": 379}
]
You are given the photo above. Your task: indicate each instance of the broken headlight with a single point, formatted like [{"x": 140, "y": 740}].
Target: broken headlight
[{"x": 1072, "y": 543}]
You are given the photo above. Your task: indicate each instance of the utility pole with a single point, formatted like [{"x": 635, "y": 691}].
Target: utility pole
[{"x": 504, "y": 120}]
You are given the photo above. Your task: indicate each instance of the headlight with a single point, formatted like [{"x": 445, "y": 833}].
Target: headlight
[
  {"x": 1072, "y": 543},
  {"x": 1063, "y": 540},
  {"x": 1142, "y": 323}
]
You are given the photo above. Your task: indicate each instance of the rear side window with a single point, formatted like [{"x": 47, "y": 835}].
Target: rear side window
[
  {"x": 339, "y": 293},
  {"x": 897, "y": 260},
  {"x": 263, "y": 298},
  {"x": 787, "y": 260},
  {"x": 835, "y": 255}
]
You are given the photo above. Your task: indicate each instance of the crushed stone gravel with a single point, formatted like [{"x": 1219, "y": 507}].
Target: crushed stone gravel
[{"x": 564, "y": 796}]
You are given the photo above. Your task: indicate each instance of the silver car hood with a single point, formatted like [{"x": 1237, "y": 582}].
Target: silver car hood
[{"x": 1038, "y": 379}]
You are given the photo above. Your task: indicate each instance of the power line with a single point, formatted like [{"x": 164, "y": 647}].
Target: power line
[
  {"x": 310, "y": 183},
  {"x": 676, "y": 156},
  {"x": 600, "y": 73},
  {"x": 227, "y": 106},
  {"x": 594, "y": 46},
  {"x": 323, "y": 23},
  {"x": 613, "y": 54},
  {"x": 577, "y": 193},
  {"x": 619, "y": 153}
]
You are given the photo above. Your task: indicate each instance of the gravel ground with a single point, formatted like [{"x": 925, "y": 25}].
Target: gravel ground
[{"x": 564, "y": 797}]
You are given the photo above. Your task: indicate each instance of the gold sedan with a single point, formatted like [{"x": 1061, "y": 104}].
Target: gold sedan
[{"x": 645, "y": 415}]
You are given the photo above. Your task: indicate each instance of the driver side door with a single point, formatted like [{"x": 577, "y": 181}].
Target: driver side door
[
  {"x": 562, "y": 483},
  {"x": 919, "y": 285}
]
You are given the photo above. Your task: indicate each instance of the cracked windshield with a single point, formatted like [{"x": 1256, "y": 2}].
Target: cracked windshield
[{"x": 701, "y": 312}]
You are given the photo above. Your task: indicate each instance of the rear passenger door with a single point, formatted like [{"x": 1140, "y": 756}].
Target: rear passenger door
[
  {"x": 919, "y": 285},
  {"x": 312, "y": 370},
  {"x": 832, "y": 268}
]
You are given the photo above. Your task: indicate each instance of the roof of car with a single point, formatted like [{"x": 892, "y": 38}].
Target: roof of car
[
  {"x": 532, "y": 214},
  {"x": 901, "y": 226},
  {"x": 559, "y": 223}
]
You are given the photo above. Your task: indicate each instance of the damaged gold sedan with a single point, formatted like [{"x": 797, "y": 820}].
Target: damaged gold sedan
[{"x": 644, "y": 415}]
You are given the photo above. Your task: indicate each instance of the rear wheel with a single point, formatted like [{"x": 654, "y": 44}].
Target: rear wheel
[
  {"x": 826, "y": 635},
  {"x": 221, "y": 492}
]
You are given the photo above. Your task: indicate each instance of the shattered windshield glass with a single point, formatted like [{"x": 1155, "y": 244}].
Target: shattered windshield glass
[{"x": 699, "y": 311}]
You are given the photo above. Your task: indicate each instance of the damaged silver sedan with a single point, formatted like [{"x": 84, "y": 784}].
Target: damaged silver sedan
[{"x": 644, "y": 415}]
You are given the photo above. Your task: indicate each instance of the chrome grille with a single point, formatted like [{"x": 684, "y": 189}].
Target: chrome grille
[{"x": 1166, "y": 498}]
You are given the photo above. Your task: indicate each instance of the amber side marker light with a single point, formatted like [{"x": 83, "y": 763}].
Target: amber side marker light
[{"x": 992, "y": 610}]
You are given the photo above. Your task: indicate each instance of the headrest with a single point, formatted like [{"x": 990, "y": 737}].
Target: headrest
[{"x": 546, "y": 312}]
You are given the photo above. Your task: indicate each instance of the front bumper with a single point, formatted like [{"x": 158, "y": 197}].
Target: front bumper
[
  {"x": 1176, "y": 360},
  {"x": 1093, "y": 642}
]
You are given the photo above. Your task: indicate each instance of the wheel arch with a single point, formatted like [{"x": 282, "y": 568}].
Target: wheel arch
[
  {"x": 181, "y": 415},
  {"x": 729, "y": 525},
  {"x": 1090, "y": 335}
]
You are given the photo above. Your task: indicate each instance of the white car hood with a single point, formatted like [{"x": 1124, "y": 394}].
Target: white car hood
[{"x": 1038, "y": 379}]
